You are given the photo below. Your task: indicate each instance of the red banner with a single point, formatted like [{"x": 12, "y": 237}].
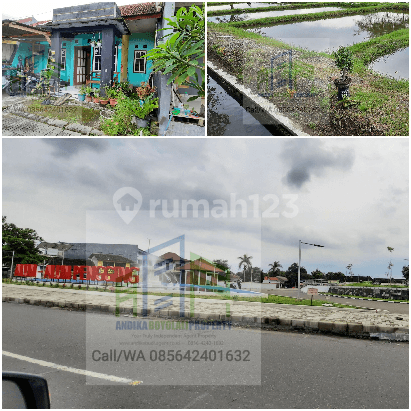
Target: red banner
[
  {"x": 26, "y": 270},
  {"x": 93, "y": 273}
]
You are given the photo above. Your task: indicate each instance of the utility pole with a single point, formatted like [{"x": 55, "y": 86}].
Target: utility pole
[
  {"x": 11, "y": 269},
  {"x": 299, "y": 261}
]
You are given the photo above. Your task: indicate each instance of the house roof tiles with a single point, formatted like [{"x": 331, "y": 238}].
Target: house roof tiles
[
  {"x": 138, "y": 9},
  {"x": 200, "y": 265}
]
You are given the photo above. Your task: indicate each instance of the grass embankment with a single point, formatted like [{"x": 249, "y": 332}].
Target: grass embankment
[
  {"x": 292, "y": 6},
  {"x": 292, "y": 18},
  {"x": 370, "y": 50},
  {"x": 225, "y": 3},
  {"x": 364, "y": 298},
  {"x": 272, "y": 299},
  {"x": 70, "y": 113},
  {"x": 383, "y": 99}
]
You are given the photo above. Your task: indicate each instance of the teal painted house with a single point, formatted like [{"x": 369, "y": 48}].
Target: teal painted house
[{"x": 94, "y": 43}]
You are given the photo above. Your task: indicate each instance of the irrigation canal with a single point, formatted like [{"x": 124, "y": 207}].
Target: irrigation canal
[{"x": 226, "y": 115}]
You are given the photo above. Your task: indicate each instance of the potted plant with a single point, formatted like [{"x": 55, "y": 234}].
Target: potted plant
[
  {"x": 104, "y": 100},
  {"x": 96, "y": 98},
  {"x": 144, "y": 90},
  {"x": 82, "y": 93},
  {"x": 344, "y": 61},
  {"x": 141, "y": 112},
  {"x": 111, "y": 94},
  {"x": 89, "y": 90}
]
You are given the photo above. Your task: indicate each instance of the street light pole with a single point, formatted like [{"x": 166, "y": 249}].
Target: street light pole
[
  {"x": 299, "y": 261},
  {"x": 11, "y": 269},
  {"x": 299, "y": 265}
]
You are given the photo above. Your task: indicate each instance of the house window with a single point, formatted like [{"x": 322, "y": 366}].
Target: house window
[
  {"x": 63, "y": 59},
  {"x": 97, "y": 59},
  {"x": 139, "y": 65},
  {"x": 115, "y": 58}
]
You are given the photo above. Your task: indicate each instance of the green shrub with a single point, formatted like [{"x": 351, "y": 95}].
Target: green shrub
[{"x": 344, "y": 60}]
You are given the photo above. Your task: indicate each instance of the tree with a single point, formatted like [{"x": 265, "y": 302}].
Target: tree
[
  {"x": 292, "y": 274},
  {"x": 317, "y": 274},
  {"x": 275, "y": 268},
  {"x": 390, "y": 265},
  {"x": 222, "y": 264},
  {"x": 22, "y": 242},
  {"x": 183, "y": 51},
  {"x": 335, "y": 276},
  {"x": 262, "y": 275},
  {"x": 256, "y": 274},
  {"x": 245, "y": 262},
  {"x": 349, "y": 268},
  {"x": 405, "y": 271},
  {"x": 344, "y": 60}
]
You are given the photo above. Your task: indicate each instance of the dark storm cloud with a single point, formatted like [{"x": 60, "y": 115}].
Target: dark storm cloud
[
  {"x": 307, "y": 157},
  {"x": 67, "y": 147}
]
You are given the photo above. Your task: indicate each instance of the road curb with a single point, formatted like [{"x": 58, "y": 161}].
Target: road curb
[{"x": 364, "y": 330}]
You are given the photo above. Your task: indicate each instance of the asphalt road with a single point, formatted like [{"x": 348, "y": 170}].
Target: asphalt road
[
  {"x": 289, "y": 370},
  {"x": 391, "y": 307}
]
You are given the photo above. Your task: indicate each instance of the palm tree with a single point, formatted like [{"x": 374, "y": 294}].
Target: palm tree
[
  {"x": 390, "y": 249},
  {"x": 246, "y": 264},
  {"x": 275, "y": 267}
]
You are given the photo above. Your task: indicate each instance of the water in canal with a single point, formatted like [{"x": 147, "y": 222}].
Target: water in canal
[
  {"x": 226, "y": 117},
  {"x": 329, "y": 34},
  {"x": 229, "y": 18},
  {"x": 395, "y": 65}
]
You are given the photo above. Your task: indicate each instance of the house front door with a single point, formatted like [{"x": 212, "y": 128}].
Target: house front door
[{"x": 81, "y": 64}]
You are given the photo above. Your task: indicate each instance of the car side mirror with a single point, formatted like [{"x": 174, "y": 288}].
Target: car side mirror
[{"x": 24, "y": 391}]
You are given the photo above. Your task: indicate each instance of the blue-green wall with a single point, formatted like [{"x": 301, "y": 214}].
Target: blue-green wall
[
  {"x": 136, "y": 39},
  {"x": 82, "y": 40},
  {"x": 139, "y": 40}
]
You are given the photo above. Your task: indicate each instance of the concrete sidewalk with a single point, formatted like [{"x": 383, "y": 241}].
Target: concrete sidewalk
[{"x": 341, "y": 321}]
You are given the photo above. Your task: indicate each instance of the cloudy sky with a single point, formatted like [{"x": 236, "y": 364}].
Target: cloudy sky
[{"x": 350, "y": 195}]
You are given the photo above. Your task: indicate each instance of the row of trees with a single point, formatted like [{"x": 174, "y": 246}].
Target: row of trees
[
  {"x": 19, "y": 245},
  {"x": 250, "y": 273}
]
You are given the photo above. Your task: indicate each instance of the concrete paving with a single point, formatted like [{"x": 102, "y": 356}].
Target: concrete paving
[
  {"x": 360, "y": 323},
  {"x": 14, "y": 125},
  {"x": 177, "y": 128}
]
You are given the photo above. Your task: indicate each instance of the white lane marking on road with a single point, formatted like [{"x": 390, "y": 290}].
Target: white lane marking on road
[{"x": 112, "y": 378}]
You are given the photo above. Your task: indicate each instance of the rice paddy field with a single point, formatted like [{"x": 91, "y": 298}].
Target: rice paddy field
[{"x": 284, "y": 52}]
